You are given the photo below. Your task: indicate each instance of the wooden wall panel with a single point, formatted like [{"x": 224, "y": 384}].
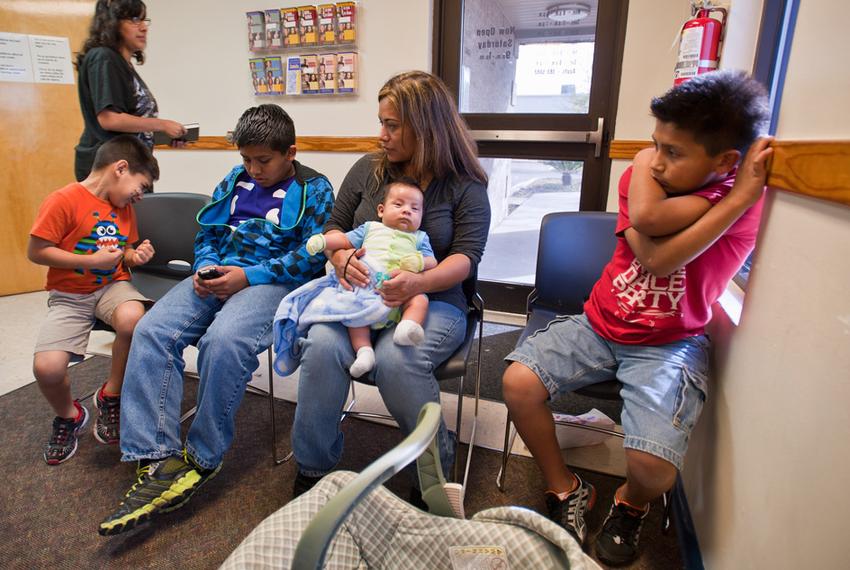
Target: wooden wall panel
[
  {"x": 41, "y": 125},
  {"x": 304, "y": 144},
  {"x": 820, "y": 169}
]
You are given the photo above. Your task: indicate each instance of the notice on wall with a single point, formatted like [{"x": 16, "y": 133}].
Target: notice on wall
[
  {"x": 51, "y": 59},
  {"x": 35, "y": 59},
  {"x": 15, "y": 61}
]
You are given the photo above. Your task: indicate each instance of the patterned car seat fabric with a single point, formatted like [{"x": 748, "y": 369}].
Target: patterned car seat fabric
[{"x": 385, "y": 532}]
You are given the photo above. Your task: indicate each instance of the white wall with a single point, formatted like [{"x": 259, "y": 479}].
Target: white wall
[
  {"x": 197, "y": 67},
  {"x": 648, "y": 63},
  {"x": 768, "y": 462}
]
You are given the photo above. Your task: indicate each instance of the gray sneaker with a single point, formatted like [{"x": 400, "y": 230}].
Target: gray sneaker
[{"x": 569, "y": 513}]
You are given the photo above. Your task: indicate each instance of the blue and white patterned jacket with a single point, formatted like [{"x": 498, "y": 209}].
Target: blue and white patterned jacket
[{"x": 268, "y": 252}]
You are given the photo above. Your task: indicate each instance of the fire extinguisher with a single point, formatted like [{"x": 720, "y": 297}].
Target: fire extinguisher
[{"x": 699, "y": 44}]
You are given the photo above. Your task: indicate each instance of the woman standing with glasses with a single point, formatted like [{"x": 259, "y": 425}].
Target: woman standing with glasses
[{"x": 113, "y": 97}]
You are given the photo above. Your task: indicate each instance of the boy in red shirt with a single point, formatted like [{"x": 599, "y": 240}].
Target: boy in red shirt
[
  {"x": 84, "y": 233},
  {"x": 688, "y": 219}
]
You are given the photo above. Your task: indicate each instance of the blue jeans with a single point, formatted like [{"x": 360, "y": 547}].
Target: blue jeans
[
  {"x": 404, "y": 376},
  {"x": 229, "y": 336},
  {"x": 664, "y": 386}
]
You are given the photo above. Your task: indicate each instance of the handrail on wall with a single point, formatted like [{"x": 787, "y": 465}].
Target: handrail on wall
[{"x": 820, "y": 169}]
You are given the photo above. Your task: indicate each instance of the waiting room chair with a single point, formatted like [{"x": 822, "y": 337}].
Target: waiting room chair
[
  {"x": 454, "y": 367},
  {"x": 167, "y": 219},
  {"x": 573, "y": 250}
]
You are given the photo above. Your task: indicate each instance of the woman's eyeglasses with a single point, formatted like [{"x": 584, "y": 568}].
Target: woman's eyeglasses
[{"x": 139, "y": 21}]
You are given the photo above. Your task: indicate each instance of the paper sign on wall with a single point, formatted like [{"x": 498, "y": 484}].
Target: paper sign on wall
[
  {"x": 35, "y": 59},
  {"x": 51, "y": 59},
  {"x": 15, "y": 61}
]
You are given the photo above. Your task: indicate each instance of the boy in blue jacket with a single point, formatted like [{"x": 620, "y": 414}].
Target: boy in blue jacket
[{"x": 249, "y": 253}]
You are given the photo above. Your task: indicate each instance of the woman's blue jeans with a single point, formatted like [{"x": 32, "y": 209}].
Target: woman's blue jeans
[
  {"x": 229, "y": 336},
  {"x": 404, "y": 376}
]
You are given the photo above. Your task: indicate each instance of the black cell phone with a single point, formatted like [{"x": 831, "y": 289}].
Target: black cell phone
[{"x": 209, "y": 273}]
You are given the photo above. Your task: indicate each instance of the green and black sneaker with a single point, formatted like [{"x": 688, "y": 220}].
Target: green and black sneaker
[{"x": 161, "y": 487}]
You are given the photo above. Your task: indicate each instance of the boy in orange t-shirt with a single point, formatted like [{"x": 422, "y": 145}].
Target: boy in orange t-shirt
[{"x": 84, "y": 233}]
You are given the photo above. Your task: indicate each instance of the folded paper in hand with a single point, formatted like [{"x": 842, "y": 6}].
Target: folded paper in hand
[
  {"x": 576, "y": 437},
  {"x": 192, "y": 131}
]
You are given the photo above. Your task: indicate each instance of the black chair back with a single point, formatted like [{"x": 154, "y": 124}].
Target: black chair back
[
  {"x": 168, "y": 220},
  {"x": 574, "y": 247}
]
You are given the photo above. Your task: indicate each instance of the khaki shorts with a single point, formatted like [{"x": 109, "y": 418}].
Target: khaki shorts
[{"x": 71, "y": 316}]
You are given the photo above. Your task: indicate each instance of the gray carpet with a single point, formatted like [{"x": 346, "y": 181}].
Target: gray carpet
[{"x": 50, "y": 514}]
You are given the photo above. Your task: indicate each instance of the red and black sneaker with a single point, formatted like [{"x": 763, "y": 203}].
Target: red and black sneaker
[
  {"x": 107, "y": 425},
  {"x": 63, "y": 441}
]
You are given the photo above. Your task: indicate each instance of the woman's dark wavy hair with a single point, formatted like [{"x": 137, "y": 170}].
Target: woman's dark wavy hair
[
  {"x": 104, "y": 29},
  {"x": 723, "y": 110},
  {"x": 444, "y": 146}
]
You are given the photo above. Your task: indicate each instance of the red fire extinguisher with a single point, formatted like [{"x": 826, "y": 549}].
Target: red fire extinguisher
[{"x": 699, "y": 44}]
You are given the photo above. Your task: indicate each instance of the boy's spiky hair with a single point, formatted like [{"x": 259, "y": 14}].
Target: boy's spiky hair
[
  {"x": 723, "y": 110},
  {"x": 139, "y": 158},
  {"x": 265, "y": 125}
]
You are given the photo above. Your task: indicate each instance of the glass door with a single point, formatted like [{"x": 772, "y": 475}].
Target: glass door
[{"x": 537, "y": 82}]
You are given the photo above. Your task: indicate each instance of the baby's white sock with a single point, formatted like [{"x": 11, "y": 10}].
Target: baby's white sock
[
  {"x": 363, "y": 362},
  {"x": 408, "y": 333}
]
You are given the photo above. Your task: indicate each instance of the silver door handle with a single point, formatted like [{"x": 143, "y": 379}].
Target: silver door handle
[{"x": 590, "y": 137}]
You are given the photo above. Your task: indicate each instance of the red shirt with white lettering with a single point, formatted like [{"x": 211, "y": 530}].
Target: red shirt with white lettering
[{"x": 629, "y": 305}]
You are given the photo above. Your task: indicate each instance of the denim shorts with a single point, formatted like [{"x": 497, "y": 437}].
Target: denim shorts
[{"x": 664, "y": 386}]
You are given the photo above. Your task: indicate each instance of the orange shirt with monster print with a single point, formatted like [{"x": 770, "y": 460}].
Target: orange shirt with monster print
[{"x": 77, "y": 221}]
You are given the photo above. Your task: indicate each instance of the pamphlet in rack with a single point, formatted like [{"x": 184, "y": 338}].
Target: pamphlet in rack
[
  {"x": 309, "y": 74},
  {"x": 291, "y": 31},
  {"x": 274, "y": 33},
  {"x": 308, "y": 22},
  {"x": 274, "y": 74},
  {"x": 327, "y": 73},
  {"x": 258, "y": 76},
  {"x": 346, "y": 22},
  {"x": 327, "y": 24},
  {"x": 256, "y": 30},
  {"x": 293, "y": 75},
  {"x": 346, "y": 72}
]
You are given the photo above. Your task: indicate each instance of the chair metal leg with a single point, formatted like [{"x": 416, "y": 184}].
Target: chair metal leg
[
  {"x": 475, "y": 409},
  {"x": 666, "y": 517},
  {"x": 510, "y": 435},
  {"x": 458, "y": 426},
  {"x": 275, "y": 458},
  {"x": 189, "y": 413}
]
